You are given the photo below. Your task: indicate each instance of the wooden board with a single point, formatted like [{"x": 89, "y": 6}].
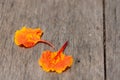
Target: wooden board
[
  {"x": 79, "y": 21},
  {"x": 112, "y": 10}
]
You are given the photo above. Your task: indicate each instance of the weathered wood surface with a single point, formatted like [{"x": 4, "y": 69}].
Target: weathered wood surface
[
  {"x": 112, "y": 13},
  {"x": 79, "y": 21}
]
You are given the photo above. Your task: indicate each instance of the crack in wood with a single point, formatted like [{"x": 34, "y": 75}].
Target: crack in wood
[{"x": 104, "y": 40}]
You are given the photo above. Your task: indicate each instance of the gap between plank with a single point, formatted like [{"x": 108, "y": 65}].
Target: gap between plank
[{"x": 104, "y": 40}]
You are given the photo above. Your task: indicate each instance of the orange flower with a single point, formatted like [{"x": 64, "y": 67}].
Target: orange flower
[
  {"x": 28, "y": 37},
  {"x": 55, "y": 61}
]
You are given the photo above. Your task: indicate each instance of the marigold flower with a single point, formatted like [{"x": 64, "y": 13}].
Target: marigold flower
[
  {"x": 55, "y": 61},
  {"x": 28, "y": 37}
]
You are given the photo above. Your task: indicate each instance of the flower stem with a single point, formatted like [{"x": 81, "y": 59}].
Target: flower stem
[
  {"x": 62, "y": 48},
  {"x": 46, "y": 42}
]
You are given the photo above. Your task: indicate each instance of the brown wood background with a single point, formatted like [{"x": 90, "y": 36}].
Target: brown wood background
[{"x": 91, "y": 26}]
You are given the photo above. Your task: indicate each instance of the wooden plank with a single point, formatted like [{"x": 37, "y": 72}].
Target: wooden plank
[
  {"x": 79, "y": 21},
  {"x": 112, "y": 10}
]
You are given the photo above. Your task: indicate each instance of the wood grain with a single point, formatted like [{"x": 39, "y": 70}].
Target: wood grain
[
  {"x": 112, "y": 10},
  {"x": 79, "y": 21}
]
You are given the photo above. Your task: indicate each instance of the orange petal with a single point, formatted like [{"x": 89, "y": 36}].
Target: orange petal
[
  {"x": 28, "y": 37},
  {"x": 49, "y": 62},
  {"x": 63, "y": 64}
]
